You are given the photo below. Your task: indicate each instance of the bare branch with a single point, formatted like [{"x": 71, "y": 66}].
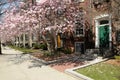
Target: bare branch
[{"x": 117, "y": 2}]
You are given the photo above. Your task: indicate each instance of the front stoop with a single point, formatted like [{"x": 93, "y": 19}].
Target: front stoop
[{"x": 81, "y": 76}]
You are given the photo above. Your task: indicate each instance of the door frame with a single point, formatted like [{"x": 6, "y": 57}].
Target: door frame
[{"x": 97, "y": 25}]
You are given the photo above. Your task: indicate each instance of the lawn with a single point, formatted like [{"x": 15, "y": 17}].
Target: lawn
[
  {"x": 101, "y": 71},
  {"x": 25, "y": 50}
]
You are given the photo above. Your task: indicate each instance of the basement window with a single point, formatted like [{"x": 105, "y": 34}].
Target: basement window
[{"x": 79, "y": 47}]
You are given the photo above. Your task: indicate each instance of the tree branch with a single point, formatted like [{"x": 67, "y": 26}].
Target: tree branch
[
  {"x": 1, "y": 4},
  {"x": 117, "y": 2}
]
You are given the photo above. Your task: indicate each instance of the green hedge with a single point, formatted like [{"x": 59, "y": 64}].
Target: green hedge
[{"x": 117, "y": 57}]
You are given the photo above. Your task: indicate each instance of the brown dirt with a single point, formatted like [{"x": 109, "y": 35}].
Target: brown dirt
[
  {"x": 114, "y": 62},
  {"x": 60, "y": 66},
  {"x": 65, "y": 65},
  {"x": 53, "y": 57}
]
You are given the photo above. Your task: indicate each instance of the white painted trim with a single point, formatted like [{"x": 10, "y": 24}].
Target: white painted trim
[
  {"x": 97, "y": 19},
  {"x": 110, "y": 34},
  {"x": 96, "y": 38},
  {"x": 101, "y": 16}
]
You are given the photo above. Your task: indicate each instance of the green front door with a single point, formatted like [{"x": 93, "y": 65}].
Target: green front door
[{"x": 104, "y": 36}]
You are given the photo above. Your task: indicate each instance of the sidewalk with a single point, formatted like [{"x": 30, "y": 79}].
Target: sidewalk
[
  {"x": 23, "y": 67},
  {"x": 7, "y": 50}
]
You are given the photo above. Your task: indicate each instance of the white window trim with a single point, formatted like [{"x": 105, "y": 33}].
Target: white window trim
[
  {"x": 80, "y": 35},
  {"x": 81, "y": 0}
]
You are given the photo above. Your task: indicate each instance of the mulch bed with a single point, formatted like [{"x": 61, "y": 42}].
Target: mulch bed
[
  {"x": 62, "y": 66},
  {"x": 67, "y": 60},
  {"x": 53, "y": 57},
  {"x": 114, "y": 62}
]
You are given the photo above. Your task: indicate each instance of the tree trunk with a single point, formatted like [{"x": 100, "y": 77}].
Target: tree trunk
[
  {"x": 19, "y": 41},
  {"x": 24, "y": 41},
  {"x": 38, "y": 37},
  {"x": 48, "y": 45},
  {"x": 30, "y": 39},
  {"x": 38, "y": 33},
  {"x": 54, "y": 40},
  {"x": 16, "y": 41}
]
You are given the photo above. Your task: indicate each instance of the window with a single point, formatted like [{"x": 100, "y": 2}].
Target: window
[
  {"x": 79, "y": 29},
  {"x": 104, "y": 22},
  {"x": 79, "y": 23},
  {"x": 78, "y": 1},
  {"x": 79, "y": 47}
]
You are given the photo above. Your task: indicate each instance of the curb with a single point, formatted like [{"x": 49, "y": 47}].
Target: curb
[{"x": 81, "y": 76}]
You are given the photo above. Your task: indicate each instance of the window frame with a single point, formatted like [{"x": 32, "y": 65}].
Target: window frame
[{"x": 79, "y": 35}]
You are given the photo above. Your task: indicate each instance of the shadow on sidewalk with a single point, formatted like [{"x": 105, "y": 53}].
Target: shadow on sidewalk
[{"x": 22, "y": 58}]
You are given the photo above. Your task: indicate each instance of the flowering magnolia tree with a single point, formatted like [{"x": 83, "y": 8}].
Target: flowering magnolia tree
[
  {"x": 4, "y": 6},
  {"x": 51, "y": 16}
]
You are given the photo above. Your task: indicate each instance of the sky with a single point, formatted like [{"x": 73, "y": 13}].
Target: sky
[{"x": 6, "y": 7}]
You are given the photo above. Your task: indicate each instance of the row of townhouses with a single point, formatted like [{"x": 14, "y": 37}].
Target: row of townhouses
[{"x": 99, "y": 29}]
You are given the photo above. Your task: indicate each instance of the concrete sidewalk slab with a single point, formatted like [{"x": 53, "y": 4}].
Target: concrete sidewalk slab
[
  {"x": 22, "y": 67},
  {"x": 7, "y": 50}
]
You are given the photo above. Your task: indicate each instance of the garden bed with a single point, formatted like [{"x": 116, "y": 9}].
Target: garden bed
[
  {"x": 47, "y": 59},
  {"x": 109, "y": 70}
]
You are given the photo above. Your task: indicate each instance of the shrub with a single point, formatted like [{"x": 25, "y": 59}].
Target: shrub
[
  {"x": 67, "y": 51},
  {"x": 43, "y": 46},
  {"x": 36, "y": 46},
  {"x": 47, "y": 54},
  {"x": 40, "y": 46},
  {"x": 117, "y": 57}
]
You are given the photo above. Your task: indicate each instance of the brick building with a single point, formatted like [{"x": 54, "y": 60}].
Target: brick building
[{"x": 94, "y": 29}]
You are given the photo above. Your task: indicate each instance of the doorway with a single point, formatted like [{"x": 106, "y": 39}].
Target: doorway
[
  {"x": 104, "y": 36},
  {"x": 103, "y": 31}
]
